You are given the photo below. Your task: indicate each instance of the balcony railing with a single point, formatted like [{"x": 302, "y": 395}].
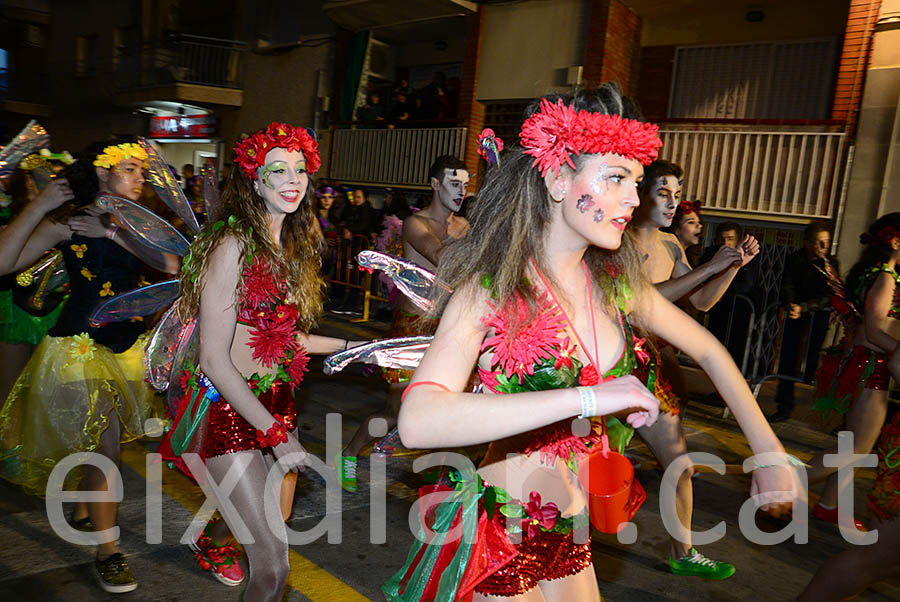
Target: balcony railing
[
  {"x": 399, "y": 157},
  {"x": 762, "y": 171},
  {"x": 182, "y": 59}
]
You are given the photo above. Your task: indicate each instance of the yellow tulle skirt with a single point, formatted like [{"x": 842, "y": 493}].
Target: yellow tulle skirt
[{"x": 62, "y": 403}]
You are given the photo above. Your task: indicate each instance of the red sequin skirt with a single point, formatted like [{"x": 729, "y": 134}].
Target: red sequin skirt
[
  {"x": 842, "y": 375},
  {"x": 227, "y": 432},
  {"x": 543, "y": 557},
  {"x": 884, "y": 499}
]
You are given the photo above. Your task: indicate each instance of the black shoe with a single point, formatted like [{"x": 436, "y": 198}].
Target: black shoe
[{"x": 780, "y": 415}]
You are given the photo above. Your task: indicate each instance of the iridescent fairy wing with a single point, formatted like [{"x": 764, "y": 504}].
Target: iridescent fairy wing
[
  {"x": 137, "y": 303},
  {"x": 166, "y": 187},
  {"x": 159, "y": 357},
  {"x": 149, "y": 229},
  {"x": 186, "y": 356},
  {"x": 40, "y": 169},
  {"x": 210, "y": 194},
  {"x": 413, "y": 280},
  {"x": 47, "y": 275},
  {"x": 31, "y": 139},
  {"x": 404, "y": 353}
]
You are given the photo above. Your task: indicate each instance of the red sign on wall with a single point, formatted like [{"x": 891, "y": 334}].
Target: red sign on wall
[{"x": 183, "y": 126}]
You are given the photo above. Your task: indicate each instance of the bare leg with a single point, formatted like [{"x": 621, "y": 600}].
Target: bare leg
[
  {"x": 102, "y": 514},
  {"x": 388, "y": 413},
  {"x": 666, "y": 440},
  {"x": 268, "y": 554},
  {"x": 581, "y": 586},
  {"x": 850, "y": 572},
  {"x": 534, "y": 595},
  {"x": 15, "y": 356},
  {"x": 865, "y": 418}
]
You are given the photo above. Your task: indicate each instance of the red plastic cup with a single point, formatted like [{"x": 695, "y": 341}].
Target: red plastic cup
[{"x": 614, "y": 495}]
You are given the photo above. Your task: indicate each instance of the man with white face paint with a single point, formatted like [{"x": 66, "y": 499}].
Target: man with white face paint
[
  {"x": 666, "y": 265},
  {"x": 424, "y": 235}
]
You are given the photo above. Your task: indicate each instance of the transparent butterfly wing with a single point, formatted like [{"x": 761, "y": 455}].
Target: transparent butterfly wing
[
  {"x": 159, "y": 357},
  {"x": 403, "y": 353},
  {"x": 166, "y": 187},
  {"x": 31, "y": 139},
  {"x": 187, "y": 353},
  {"x": 210, "y": 194},
  {"x": 411, "y": 279},
  {"x": 137, "y": 303},
  {"x": 150, "y": 230}
]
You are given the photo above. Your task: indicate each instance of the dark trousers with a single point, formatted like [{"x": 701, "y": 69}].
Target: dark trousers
[{"x": 792, "y": 352}]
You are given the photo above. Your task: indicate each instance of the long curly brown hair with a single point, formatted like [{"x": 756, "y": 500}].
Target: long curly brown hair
[
  {"x": 511, "y": 213},
  {"x": 297, "y": 261}
]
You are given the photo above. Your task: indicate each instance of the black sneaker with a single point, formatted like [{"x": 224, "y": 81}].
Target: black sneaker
[
  {"x": 114, "y": 575},
  {"x": 780, "y": 416}
]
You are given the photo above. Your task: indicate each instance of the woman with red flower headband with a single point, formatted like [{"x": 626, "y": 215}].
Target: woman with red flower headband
[
  {"x": 253, "y": 282},
  {"x": 686, "y": 225},
  {"x": 854, "y": 379},
  {"x": 546, "y": 317}
]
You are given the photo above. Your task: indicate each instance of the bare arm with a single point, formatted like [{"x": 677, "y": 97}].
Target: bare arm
[
  {"x": 686, "y": 281},
  {"x": 217, "y": 321},
  {"x": 417, "y": 234},
  {"x": 30, "y": 234},
  {"x": 319, "y": 345},
  {"x": 878, "y": 304},
  {"x": 431, "y": 417},
  {"x": 673, "y": 325}
]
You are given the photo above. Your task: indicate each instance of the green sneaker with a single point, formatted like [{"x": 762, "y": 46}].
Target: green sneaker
[
  {"x": 698, "y": 565},
  {"x": 346, "y": 472},
  {"x": 114, "y": 575}
]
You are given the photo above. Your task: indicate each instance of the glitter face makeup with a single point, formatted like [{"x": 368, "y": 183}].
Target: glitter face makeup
[
  {"x": 599, "y": 215},
  {"x": 584, "y": 203},
  {"x": 600, "y": 182},
  {"x": 274, "y": 174},
  {"x": 126, "y": 179}
]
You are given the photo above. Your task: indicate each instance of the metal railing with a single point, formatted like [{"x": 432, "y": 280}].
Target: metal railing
[
  {"x": 399, "y": 157},
  {"x": 182, "y": 59},
  {"x": 779, "y": 172},
  {"x": 347, "y": 274}
]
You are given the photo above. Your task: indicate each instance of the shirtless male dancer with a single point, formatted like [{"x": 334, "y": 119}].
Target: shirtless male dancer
[
  {"x": 667, "y": 267},
  {"x": 424, "y": 234}
]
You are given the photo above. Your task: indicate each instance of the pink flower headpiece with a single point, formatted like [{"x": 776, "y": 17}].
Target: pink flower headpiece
[
  {"x": 251, "y": 151},
  {"x": 557, "y": 131}
]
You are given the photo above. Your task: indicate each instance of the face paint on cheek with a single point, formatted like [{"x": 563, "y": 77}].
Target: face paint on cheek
[
  {"x": 600, "y": 182},
  {"x": 584, "y": 203},
  {"x": 599, "y": 214}
]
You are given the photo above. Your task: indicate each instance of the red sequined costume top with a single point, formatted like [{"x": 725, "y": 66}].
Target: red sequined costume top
[{"x": 273, "y": 338}]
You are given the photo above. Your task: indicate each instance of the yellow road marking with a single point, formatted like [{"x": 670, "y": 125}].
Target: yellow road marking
[{"x": 306, "y": 577}]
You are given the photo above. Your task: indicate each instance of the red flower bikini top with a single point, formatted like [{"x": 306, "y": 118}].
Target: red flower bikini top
[
  {"x": 540, "y": 356},
  {"x": 273, "y": 325}
]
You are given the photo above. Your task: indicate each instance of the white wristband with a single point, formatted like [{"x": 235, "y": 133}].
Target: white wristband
[{"x": 588, "y": 402}]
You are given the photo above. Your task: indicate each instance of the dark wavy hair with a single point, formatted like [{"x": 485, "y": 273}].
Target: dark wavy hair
[
  {"x": 512, "y": 211},
  {"x": 82, "y": 178}
]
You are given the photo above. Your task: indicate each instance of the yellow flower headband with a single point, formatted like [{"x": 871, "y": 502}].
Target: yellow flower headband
[{"x": 113, "y": 155}]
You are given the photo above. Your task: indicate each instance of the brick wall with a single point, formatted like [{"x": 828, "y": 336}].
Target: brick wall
[
  {"x": 471, "y": 112},
  {"x": 613, "y": 45},
  {"x": 657, "y": 64},
  {"x": 855, "y": 57}
]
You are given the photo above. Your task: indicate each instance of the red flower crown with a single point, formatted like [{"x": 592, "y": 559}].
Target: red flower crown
[
  {"x": 686, "y": 207},
  {"x": 557, "y": 131},
  {"x": 251, "y": 151},
  {"x": 884, "y": 236}
]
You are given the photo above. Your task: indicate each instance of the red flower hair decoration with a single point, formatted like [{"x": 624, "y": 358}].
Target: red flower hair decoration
[
  {"x": 556, "y": 132},
  {"x": 250, "y": 153},
  {"x": 686, "y": 207}
]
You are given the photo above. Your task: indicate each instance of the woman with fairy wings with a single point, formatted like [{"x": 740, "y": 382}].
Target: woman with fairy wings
[
  {"x": 253, "y": 282},
  {"x": 83, "y": 389},
  {"x": 549, "y": 309}
]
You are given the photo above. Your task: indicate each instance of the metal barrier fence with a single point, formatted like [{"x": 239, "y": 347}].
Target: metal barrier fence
[
  {"x": 349, "y": 275},
  {"x": 796, "y": 173},
  {"x": 398, "y": 157}
]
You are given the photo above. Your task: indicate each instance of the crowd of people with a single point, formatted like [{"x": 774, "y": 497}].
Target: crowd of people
[
  {"x": 392, "y": 105},
  {"x": 574, "y": 316}
]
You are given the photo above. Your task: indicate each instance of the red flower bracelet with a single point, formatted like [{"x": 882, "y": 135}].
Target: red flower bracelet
[{"x": 276, "y": 434}]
